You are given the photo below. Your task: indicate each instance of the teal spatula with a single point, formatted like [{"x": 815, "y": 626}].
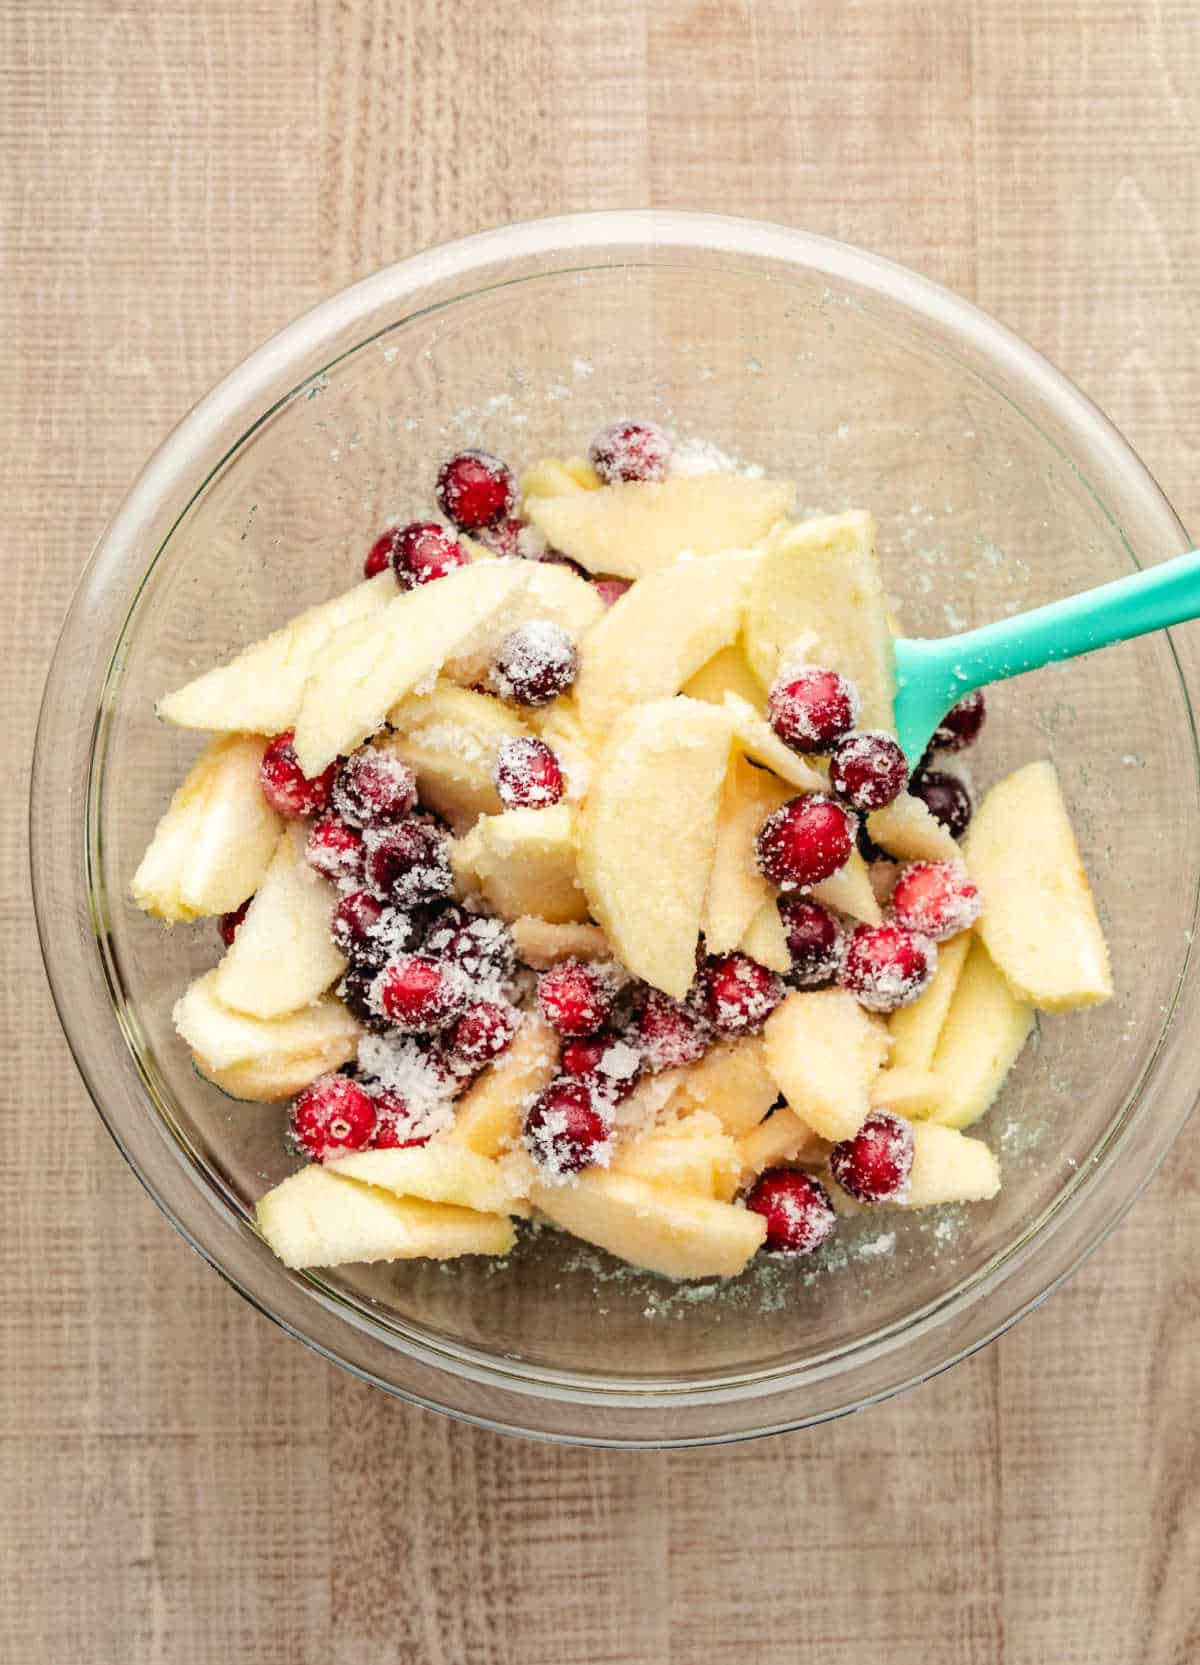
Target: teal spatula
[{"x": 934, "y": 674}]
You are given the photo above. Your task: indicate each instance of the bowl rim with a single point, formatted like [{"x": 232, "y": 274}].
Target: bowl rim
[{"x": 505, "y": 1399}]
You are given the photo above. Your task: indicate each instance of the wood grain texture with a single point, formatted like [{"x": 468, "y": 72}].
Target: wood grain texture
[{"x": 180, "y": 1481}]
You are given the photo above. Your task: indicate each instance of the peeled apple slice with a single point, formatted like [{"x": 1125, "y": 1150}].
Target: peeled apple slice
[
  {"x": 985, "y": 1030},
  {"x": 488, "y": 1116},
  {"x": 783, "y": 1137},
  {"x": 908, "y": 829},
  {"x": 949, "y": 1168},
  {"x": 755, "y": 736},
  {"x": 736, "y": 888},
  {"x": 438, "y": 1173},
  {"x": 824, "y": 1052},
  {"x": 725, "y": 673},
  {"x": 266, "y": 1060},
  {"x": 916, "y": 1029},
  {"x": 732, "y": 1081},
  {"x": 549, "y": 592},
  {"x": 765, "y": 939},
  {"x": 523, "y": 860},
  {"x": 692, "y": 1154},
  {"x": 450, "y": 738}
]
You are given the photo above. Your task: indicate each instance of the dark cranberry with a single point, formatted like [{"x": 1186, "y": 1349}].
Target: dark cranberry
[
  {"x": 805, "y": 840},
  {"x": 475, "y": 489},
  {"x": 867, "y": 847},
  {"x": 228, "y": 923},
  {"x": 868, "y": 769},
  {"x": 887, "y": 967},
  {"x": 671, "y": 1034},
  {"x": 408, "y": 862},
  {"x": 565, "y": 1130},
  {"x": 739, "y": 994},
  {"x": 335, "y": 850},
  {"x": 630, "y": 451},
  {"x": 960, "y": 727},
  {"x": 946, "y": 798},
  {"x": 424, "y": 551},
  {"x": 610, "y": 590},
  {"x": 814, "y": 940},
  {"x": 379, "y": 556},
  {"x": 367, "y": 931},
  {"x": 373, "y": 784},
  {"x": 288, "y": 790},
  {"x": 874, "y": 1166},
  {"x": 482, "y": 1033},
  {"x": 419, "y": 995},
  {"x": 394, "y": 1122},
  {"x": 332, "y": 1116},
  {"x": 482, "y": 948},
  {"x": 936, "y": 898},
  {"x": 527, "y": 774},
  {"x": 606, "y": 1063},
  {"x": 575, "y": 997},
  {"x": 796, "y": 1207},
  {"x": 812, "y": 709},
  {"x": 356, "y": 990},
  {"x": 534, "y": 664}
]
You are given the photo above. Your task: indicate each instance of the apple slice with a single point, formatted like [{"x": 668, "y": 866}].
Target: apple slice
[
  {"x": 259, "y": 691},
  {"x": 319, "y": 1218},
  {"x": 438, "y": 1173},
  {"x": 687, "y": 611},
  {"x": 915, "y": 1029},
  {"x": 541, "y": 944},
  {"x": 692, "y": 1154},
  {"x": 755, "y": 736},
  {"x": 949, "y": 1168},
  {"x": 648, "y": 832},
  {"x": 736, "y": 887},
  {"x": 725, "y": 673},
  {"x": 652, "y": 1226},
  {"x": 1039, "y": 920},
  {"x": 765, "y": 939},
  {"x": 732, "y": 1081},
  {"x": 523, "y": 861},
  {"x": 909, "y": 1092},
  {"x": 450, "y": 738},
  {"x": 850, "y": 890},
  {"x": 908, "y": 829},
  {"x": 213, "y": 844},
  {"x": 824, "y": 1052},
  {"x": 368, "y": 668},
  {"x": 561, "y": 727},
  {"x": 985, "y": 1030},
  {"x": 629, "y": 530},
  {"x": 552, "y": 477},
  {"x": 488, "y": 1117},
  {"x": 282, "y": 957},
  {"x": 549, "y": 592},
  {"x": 264, "y": 1060},
  {"x": 783, "y": 1137},
  {"x": 819, "y": 593}
]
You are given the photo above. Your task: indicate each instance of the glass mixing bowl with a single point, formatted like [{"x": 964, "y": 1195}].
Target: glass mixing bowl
[{"x": 997, "y": 486}]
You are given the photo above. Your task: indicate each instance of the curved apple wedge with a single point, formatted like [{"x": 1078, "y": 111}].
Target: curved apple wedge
[
  {"x": 263, "y": 1060},
  {"x": 437, "y": 1173}
]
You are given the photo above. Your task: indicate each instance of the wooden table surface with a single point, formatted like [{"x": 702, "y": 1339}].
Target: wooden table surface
[{"x": 181, "y": 1482}]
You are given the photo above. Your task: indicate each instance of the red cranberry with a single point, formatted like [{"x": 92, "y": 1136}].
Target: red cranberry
[
  {"x": 565, "y": 1130},
  {"x": 805, "y": 840},
  {"x": 475, "y": 489},
  {"x": 408, "y": 862},
  {"x": 610, "y": 590},
  {"x": 887, "y": 967},
  {"x": 575, "y": 997},
  {"x": 739, "y": 994},
  {"x": 670, "y": 1034},
  {"x": 534, "y": 664},
  {"x": 946, "y": 798},
  {"x": 481, "y": 948},
  {"x": 366, "y": 931},
  {"x": 503, "y": 539},
  {"x": 332, "y": 1116},
  {"x": 372, "y": 785},
  {"x": 482, "y": 1033},
  {"x": 960, "y": 727},
  {"x": 418, "y": 994},
  {"x": 868, "y": 769},
  {"x": 796, "y": 1207},
  {"x": 874, "y": 1166},
  {"x": 605, "y": 1063},
  {"x": 630, "y": 451},
  {"x": 228, "y": 923},
  {"x": 424, "y": 551},
  {"x": 394, "y": 1122},
  {"x": 936, "y": 898},
  {"x": 527, "y": 774},
  {"x": 288, "y": 790},
  {"x": 813, "y": 709},
  {"x": 814, "y": 941},
  {"x": 379, "y": 556},
  {"x": 335, "y": 850}
]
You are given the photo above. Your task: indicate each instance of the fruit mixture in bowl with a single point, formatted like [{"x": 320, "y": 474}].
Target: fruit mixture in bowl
[{"x": 568, "y": 871}]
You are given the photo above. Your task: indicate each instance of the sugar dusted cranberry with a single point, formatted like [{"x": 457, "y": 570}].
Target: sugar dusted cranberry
[
  {"x": 408, "y": 862},
  {"x": 631, "y": 451},
  {"x": 960, "y": 727},
  {"x": 868, "y": 769},
  {"x": 333, "y": 1115},
  {"x": 671, "y": 1034},
  {"x": 812, "y": 709},
  {"x": 565, "y": 1129},
  {"x": 946, "y": 798},
  {"x": 394, "y": 1122},
  {"x": 482, "y": 1033},
  {"x": 610, "y": 590},
  {"x": 503, "y": 539},
  {"x": 373, "y": 785},
  {"x": 936, "y": 898},
  {"x": 805, "y": 840},
  {"x": 475, "y": 489},
  {"x": 288, "y": 790},
  {"x": 228, "y": 923},
  {"x": 815, "y": 941},
  {"x": 556, "y": 558},
  {"x": 739, "y": 994},
  {"x": 379, "y": 556},
  {"x": 367, "y": 931},
  {"x": 796, "y": 1207},
  {"x": 875, "y": 1164},
  {"x": 527, "y": 774},
  {"x": 424, "y": 551},
  {"x": 606, "y": 1063},
  {"x": 534, "y": 664},
  {"x": 417, "y": 994},
  {"x": 575, "y": 997},
  {"x": 887, "y": 966},
  {"x": 335, "y": 850},
  {"x": 481, "y": 948},
  {"x": 356, "y": 991}
]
